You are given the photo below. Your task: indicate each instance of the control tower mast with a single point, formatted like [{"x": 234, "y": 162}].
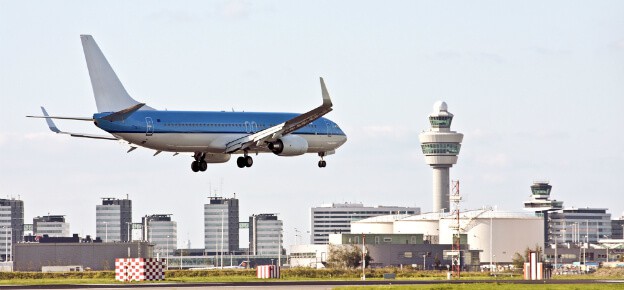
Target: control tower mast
[
  {"x": 541, "y": 204},
  {"x": 440, "y": 146}
]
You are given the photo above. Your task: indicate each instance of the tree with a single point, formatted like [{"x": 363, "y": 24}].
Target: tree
[
  {"x": 346, "y": 256},
  {"x": 517, "y": 261}
]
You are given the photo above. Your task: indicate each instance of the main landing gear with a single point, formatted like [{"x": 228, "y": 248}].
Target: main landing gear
[
  {"x": 322, "y": 163},
  {"x": 244, "y": 161},
  {"x": 199, "y": 164}
]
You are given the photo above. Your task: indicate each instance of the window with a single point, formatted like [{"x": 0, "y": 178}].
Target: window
[
  {"x": 387, "y": 240},
  {"x": 407, "y": 255},
  {"x": 441, "y": 148}
]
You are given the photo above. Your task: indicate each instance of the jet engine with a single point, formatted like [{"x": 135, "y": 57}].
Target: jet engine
[{"x": 289, "y": 145}]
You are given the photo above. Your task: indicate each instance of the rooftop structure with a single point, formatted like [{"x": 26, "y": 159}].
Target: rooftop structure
[{"x": 440, "y": 146}]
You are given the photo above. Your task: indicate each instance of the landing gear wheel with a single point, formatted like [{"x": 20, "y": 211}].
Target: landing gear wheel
[
  {"x": 195, "y": 166},
  {"x": 248, "y": 161},
  {"x": 203, "y": 166},
  {"x": 322, "y": 163},
  {"x": 240, "y": 161}
]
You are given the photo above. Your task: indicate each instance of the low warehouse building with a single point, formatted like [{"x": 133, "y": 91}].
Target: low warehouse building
[{"x": 95, "y": 256}]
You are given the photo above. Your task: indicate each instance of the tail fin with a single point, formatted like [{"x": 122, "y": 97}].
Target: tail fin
[{"x": 110, "y": 95}]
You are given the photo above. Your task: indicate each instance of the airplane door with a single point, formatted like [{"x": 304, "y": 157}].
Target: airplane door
[
  {"x": 254, "y": 127},
  {"x": 149, "y": 126}
]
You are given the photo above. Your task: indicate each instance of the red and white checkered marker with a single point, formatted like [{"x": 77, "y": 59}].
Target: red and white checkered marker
[
  {"x": 139, "y": 269},
  {"x": 268, "y": 271}
]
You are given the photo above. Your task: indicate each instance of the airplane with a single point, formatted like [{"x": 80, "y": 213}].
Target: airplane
[{"x": 210, "y": 136}]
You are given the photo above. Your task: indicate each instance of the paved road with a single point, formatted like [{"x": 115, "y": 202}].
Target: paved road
[{"x": 293, "y": 284}]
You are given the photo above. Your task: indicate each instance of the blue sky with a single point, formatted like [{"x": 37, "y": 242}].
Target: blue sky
[{"x": 536, "y": 87}]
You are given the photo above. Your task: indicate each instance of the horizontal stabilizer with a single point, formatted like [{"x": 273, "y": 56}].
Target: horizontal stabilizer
[{"x": 55, "y": 129}]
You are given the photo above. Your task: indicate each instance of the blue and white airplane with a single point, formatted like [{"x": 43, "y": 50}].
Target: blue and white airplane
[{"x": 212, "y": 137}]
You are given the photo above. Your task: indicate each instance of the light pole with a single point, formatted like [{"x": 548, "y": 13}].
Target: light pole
[
  {"x": 279, "y": 248},
  {"x": 491, "y": 243},
  {"x": 424, "y": 262},
  {"x": 129, "y": 237},
  {"x": 222, "y": 239},
  {"x": 6, "y": 244},
  {"x": 555, "y": 252}
]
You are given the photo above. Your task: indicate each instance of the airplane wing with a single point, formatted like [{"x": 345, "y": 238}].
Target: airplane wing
[
  {"x": 55, "y": 129},
  {"x": 273, "y": 133}
]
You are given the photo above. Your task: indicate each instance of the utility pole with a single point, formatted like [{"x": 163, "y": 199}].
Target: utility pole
[
  {"x": 222, "y": 239},
  {"x": 363, "y": 257}
]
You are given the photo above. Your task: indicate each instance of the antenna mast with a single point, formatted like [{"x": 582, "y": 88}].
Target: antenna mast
[{"x": 456, "y": 249}]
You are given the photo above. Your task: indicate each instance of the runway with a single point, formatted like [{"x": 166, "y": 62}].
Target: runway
[{"x": 297, "y": 284}]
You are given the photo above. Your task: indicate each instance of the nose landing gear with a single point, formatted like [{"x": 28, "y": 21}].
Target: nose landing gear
[{"x": 322, "y": 163}]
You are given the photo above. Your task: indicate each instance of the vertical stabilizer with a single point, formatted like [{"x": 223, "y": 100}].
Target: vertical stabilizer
[{"x": 109, "y": 93}]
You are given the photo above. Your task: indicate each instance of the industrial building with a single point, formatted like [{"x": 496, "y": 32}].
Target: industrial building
[
  {"x": 161, "y": 231},
  {"x": 440, "y": 146},
  {"x": 50, "y": 225},
  {"x": 73, "y": 251},
  {"x": 113, "y": 220},
  {"x": 221, "y": 225},
  {"x": 11, "y": 226},
  {"x": 497, "y": 235},
  {"x": 336, "y": 218},
  {"x": 265, "y": 235}
]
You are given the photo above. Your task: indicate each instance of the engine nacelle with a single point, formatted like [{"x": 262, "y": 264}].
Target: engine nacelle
[
  {"x": 289, "y": 145},
  {"x": 216, "y": 158}
]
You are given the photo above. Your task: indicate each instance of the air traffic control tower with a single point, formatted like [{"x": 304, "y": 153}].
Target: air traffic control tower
[
  {"x": 440, "y": 146},
  {"x": 541, "y": 204}
]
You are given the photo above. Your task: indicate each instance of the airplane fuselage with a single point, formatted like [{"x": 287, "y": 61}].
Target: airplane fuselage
[{"x": 200, "y": 131}]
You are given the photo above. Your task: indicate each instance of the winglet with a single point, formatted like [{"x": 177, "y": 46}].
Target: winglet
[
  {"x": 51, "y": 124},
  {"x": 326, "y": 100}
]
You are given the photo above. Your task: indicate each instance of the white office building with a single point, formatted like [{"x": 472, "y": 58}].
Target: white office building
[
  {"x": 221, "y": 225},
  {"x": 265, "y": 235},
  {"x": 51, "y": 225},
  {"x": 579, "y": 226},
  {"x": 162, "y": 232},
  {"x": 11, "y": 226},
  {"x": 113, "y": 220},
  {"x": 335, "y": 218}
]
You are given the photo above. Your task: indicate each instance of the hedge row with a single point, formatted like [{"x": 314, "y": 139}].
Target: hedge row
[{"x": 286, "y": 273}]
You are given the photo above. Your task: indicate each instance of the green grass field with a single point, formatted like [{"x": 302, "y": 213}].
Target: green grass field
[
  {"x": 301, "y": 274},
  {"x": 492, "y": 286}
]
